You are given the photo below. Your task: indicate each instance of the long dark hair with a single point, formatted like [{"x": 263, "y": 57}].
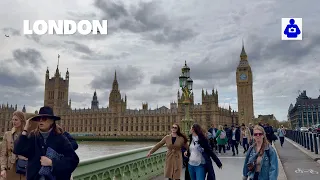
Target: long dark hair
[
  {"x": 198, "y": 130},
  {"x": 54, "y": 127},
  {"x": 179, "y": 133}
]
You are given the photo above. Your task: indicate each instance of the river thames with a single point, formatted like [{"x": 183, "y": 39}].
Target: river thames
[{"x": 92, "y": 149}]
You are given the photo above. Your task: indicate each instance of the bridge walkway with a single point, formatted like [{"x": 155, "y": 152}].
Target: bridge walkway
[
  {"x": 231, "y": 166},
  {"x": 297, "y": 165}
]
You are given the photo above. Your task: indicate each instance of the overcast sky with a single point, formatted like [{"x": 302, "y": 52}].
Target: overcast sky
[{"x": 148, "y": 42}]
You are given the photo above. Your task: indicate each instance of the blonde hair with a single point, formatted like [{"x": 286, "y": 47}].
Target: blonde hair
[
  {"x": 265, "y": 141},
  {"x": 220, "y": 127},
  {"x": 21, "y": 116}
]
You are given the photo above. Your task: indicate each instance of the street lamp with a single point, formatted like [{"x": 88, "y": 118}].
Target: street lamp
[{"x": 186, "y": 84}]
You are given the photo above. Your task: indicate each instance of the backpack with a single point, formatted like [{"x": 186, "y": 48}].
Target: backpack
[{"x": 222, "y": 135}]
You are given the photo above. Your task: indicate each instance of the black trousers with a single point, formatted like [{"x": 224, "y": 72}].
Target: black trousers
[
  {"x": 222, "y": 147},
  {"x": 234, "y": 145},
  {"x": 245, "y": 144},
  {"x": 281, "y": 140}
]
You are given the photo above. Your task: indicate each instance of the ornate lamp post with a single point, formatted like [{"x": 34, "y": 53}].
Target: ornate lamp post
[{"x": 186, "y": 85}]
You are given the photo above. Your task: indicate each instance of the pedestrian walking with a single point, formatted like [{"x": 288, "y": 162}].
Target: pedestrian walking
[
  {"x": 174, "y": 142},
  {"x": 12, "y": 165},
  {"x": 222, "y": 139},
  {"x": 213, "y": 139},
  {"x": 199, "y": 156},
  {"x": 281, "y": 134},
  {"x": 261, "y": 160},
  {"x": 245, "y": 137},
  {"x": 235, "y": 139},
  {"x": 44, "y": 142}
]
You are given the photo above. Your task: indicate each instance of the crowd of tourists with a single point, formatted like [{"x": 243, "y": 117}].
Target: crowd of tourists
[
  {"x": 47, "y": 152},
  {"x": 43, "y": 152},
  {"x": 196, "y": 152}
]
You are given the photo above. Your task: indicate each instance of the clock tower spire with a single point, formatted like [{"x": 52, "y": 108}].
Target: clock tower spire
[{"x": 244, "y": 89}]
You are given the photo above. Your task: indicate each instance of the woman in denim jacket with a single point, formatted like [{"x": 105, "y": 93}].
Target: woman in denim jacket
[{"x": 261, "y": 161}]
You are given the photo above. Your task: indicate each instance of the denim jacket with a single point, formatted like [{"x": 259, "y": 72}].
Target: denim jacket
[{"x": 269, "y": 165}]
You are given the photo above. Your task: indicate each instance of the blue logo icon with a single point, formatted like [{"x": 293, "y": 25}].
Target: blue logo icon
[{"x": 291, "y": 29}]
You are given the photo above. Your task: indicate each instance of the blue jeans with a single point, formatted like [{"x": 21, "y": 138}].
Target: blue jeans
[{"x": 197, "y": 172}]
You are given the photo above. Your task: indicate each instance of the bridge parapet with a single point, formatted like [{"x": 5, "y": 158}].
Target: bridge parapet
[{"x": 129, "y": 165}]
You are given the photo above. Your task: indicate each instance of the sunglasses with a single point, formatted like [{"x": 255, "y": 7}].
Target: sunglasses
[
  {"x": 174, "y": 127},
  {"x": 257, "y": 134}
]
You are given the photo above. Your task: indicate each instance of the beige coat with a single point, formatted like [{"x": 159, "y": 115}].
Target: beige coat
[
  {"x": 246, "y": 132},
  {"x": 7, "y": 158},
  {"x": 173, "y": 164}
]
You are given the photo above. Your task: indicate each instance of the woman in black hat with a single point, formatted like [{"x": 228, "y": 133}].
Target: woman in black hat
[{"x": 47, "y": 136}]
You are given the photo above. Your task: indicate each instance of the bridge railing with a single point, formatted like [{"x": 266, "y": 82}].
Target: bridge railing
[
  {"x": 129, "y": 165},
  {"x": 310, "y": 141}
]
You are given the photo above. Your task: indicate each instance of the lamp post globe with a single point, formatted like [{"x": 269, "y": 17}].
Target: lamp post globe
[
  {"x": 190, "y": 83},
  {"x": 182, "y": 80}
]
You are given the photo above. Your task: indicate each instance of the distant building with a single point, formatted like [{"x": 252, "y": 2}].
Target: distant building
[
  {"x": 117, "y": 120},
  {"x": 305, "y": 112},
  {"x": 266, "y": 118}
]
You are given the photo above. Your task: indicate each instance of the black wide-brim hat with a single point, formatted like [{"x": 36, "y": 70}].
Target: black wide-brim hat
[{"x": 45, "y": 112}]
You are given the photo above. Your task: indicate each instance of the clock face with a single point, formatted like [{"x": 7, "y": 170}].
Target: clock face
[{"x": 243, "y": 76}]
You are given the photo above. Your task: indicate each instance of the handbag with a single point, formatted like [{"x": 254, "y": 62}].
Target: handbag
[{"x": 21, "y": 166}]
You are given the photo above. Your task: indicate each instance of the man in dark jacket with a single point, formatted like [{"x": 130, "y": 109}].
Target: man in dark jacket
[
  {"x": 235, "y": 139},
  {"x": 269, "y": 132},
  {"x": 212, "y": 139},
  {"x": 228, "y": 134}
]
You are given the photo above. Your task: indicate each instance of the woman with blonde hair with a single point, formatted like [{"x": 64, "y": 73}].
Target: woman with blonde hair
[
  {"x": 261, "y": 159},
  {"x": 12, "y": 165}
]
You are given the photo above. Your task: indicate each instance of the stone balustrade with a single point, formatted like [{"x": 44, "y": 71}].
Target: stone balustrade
[{"x": 129, "y": 165}]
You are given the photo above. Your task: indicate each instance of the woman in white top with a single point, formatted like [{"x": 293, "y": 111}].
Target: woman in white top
[{"x": 199, "y": 156}]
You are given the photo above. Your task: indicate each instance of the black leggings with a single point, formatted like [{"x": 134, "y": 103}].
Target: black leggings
[{"x": 222, "y": 147}]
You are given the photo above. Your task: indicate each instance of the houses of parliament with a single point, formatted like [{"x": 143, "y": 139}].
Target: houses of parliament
[{"x": 117, "y": 120}]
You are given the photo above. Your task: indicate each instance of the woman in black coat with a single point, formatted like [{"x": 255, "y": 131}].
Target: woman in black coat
[
  {"x": 206, "y": 151},
  {"x": 33, "y": 145}
]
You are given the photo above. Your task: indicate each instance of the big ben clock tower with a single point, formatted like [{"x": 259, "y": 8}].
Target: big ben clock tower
[{"x": 244, "y": 89}]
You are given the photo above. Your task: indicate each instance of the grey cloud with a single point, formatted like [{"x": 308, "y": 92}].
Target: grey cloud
[
  {"x": 19, "y": 72},
  {"x": 81, "y": 15},
  {"x": 28, "y": 56},
  {"x": 80, "y": 100},
  {"x": 29, "y": 96},
  {"x": 128, "y": 78},
  {"x": 111, "y": 9},
  {"x": 11, "y": 31},
  {"x": 205, "y": 70},
  {"x": 146, "y": 18},
  {"x": 18, "y": 79},
  {"x": 79, "y": 47},
  {"x": 97, "y": 56},
  {"x": 34, "y": 37},
  {"x": 153, "y": 95},
  {"x": 288, "y": 52},
  {"x": 175, "y": 36}
]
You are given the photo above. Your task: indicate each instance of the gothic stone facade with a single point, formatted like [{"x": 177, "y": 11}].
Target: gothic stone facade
[
  {"x": 244, "y": 89},
  {"x": 117, "y": 120}
]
